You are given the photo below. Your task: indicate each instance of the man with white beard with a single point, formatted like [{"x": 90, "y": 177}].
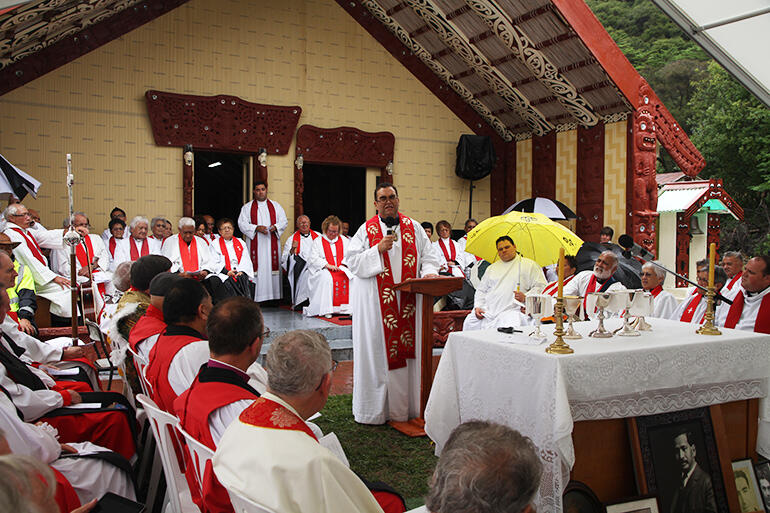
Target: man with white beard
[
  {"x": 296, "y": 255},
  {"x": 601, "y": 279}
]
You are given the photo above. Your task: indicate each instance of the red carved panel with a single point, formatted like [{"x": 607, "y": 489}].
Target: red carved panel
[
  {"x": 712, "y": 232},
  {"x": 345, "y": 146},
  {"x": 220, "y": 123},
  {"x": 682, "y": 247},
  {"x": 644, "y": 201},
  {"x": 445, "y": 323},
  {"x": 590, "y": 181},
  {"x": 716, "y": 191},
  {"x": 544, "y": 166},
  {"x": 53, "y": 54}
]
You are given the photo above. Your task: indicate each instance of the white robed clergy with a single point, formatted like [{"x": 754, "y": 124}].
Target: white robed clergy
[
  {"x": 299, "y": 244},
  {"x": 693, "y": 308},
  {"x": 48, "y": 284},
  {"x": 664, "y": 304},
  {"x": 262, "y": 221},
  {"x": 90, "y": 477},
  {"x": 501, "y": 294},
  {"x": 750, "y": 310},
  {"x": 329, "y": 280},
  {"x": 453, "y": 257},
  {"x": 135, "y": 244},
  {"x": 233, "y": 254},
  {"x": 600, "y": 279},
  {"x": 386, "y": 384},
  {"x": 189, "y": 253},
  {"x": 271, "y": 455}
]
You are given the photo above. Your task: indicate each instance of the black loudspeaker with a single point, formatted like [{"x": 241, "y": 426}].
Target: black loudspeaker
[{"x": 475, "y": 157}]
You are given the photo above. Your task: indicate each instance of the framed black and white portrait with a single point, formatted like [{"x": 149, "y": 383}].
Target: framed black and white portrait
[
  {"x": 680, "y": 461},
  {"x": 762, "y": 471},
  {"x": 639, "y": 505},
  {"x": 749, "y": 498}
]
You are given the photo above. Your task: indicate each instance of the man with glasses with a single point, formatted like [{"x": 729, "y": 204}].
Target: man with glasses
[
  {"x": 48, "y": 284},
  {"x": 272, "y": 456},
  {"x": 224, "y": 386},
  {"x": 388, "y": 249},
  {"x": 664, "y": 303}
]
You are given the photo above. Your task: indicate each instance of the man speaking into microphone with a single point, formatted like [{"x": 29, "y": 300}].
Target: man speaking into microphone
[{"x": 388, "y": 249}]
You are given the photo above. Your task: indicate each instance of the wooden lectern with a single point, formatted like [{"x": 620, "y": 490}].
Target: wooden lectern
[{"x": 429, "y": 288}]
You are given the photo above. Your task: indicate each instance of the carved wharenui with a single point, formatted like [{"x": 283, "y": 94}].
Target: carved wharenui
[{"x": 345, "y": 146}]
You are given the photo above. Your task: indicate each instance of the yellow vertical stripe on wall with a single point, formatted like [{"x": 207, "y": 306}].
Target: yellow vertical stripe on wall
[
  {"x": 615, "y": 176},
  {"x": 566, "y": 168},
  {"x": 309, "y": 53},
  {"x": 523, "y": 169}
]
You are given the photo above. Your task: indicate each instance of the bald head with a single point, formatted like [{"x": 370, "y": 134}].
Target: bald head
[
  {"x": 303, "y": 224},
  {"x": 605, "y": 265}
]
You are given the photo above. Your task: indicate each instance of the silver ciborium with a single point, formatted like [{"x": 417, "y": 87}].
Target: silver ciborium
[
  {"x": 571, "y": 306},
  {"x": 641, "y": 305},
  {"x": 622, "y": 300},
  {"x": 596, "y": 303},
  {"x": 537, "y": 307}
]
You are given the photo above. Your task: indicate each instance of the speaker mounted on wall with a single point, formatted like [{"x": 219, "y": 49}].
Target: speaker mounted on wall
[{"x": 475, "y": 157}]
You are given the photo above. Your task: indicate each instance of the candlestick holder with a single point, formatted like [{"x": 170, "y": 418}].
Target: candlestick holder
[
  {"x": 708, "y": 327},
  {"x": 559, "y": 346}
]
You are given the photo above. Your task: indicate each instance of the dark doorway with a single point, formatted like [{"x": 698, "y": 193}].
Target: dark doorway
[
  {"x": 338, "y": 190},
  {"x": 218, "y": 183}
]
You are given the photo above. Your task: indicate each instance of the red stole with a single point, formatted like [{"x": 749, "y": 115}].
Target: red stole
[
  {"x": 553, "y": 287},
  {"x": 85, "y": 252},
  {"x": 111, "y": 245},
  {"x": 237, "y": 247},
  {"x": 339, "y": 278},
  {"x": 151, "y": 323},
  {"x": 32, "y": 244},
  {"x": 448, "y": 255},
  {"x": 592, "y": 288},
  {"x": 272, "y": 235},
  {"x": 761, "y": 324},
  {"x": 189, "y": 255},
  {"x": 297, "y": 237},
  {"x": 691, "y": 307},
  {"x": 163, "y": 352},
  {"x": 734, "y": 280},
  {"x": 657, "y": 290},
  {"x": 399, "y": 327},
  {"x": 269, "y": 414},
  {"x": 135, "y": 252}
]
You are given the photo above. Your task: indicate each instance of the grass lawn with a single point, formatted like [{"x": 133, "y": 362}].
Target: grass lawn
[{"x": 380, "y": 453}]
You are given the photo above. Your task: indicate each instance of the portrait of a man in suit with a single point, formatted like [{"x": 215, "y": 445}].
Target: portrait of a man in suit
[{"x": 694, "y": 493}]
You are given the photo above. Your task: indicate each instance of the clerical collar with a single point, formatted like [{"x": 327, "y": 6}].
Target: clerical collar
[
  {"x": 390, "y": 222},
  {"x": 178, "y": 329},
  {"x": 216, "y": 364},
  {"x": 305, "y": 234}
]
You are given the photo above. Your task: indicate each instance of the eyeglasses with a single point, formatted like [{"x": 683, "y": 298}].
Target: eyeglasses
[
  {"x": 335, "y": 363},
  {"x": 25, "y": 214},
  {"x": 384, "y": 199}
]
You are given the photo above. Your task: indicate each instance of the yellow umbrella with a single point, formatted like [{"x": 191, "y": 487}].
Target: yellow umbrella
[{"x": 535, "y": 236}]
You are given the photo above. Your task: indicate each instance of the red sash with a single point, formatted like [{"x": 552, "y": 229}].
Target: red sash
[
  {"x": 273, "y": 236},
  {"x": 32, "y": 244},
  {"x": 339, "y": 278},
  {"x": 448, "y": 255},
  {"x": 553, "y": 287},
  {"x": 592, "y": 288},
  {"x": 269, "y": 414},
  {"x": 399, "y": 327},
  {"x": 691, "y": 307},
  {"x": 734, "y": 280},
  {"x": 189, "y": 255},
  {"x": 237, "y": 247},
  {"x": 85, "y": 254},
  {"x": 135, "y": 251},
  {"x": 657, "y": 290},
  {"x": 761, "y": 324},
  {"x": 111, "y": 246},
  {"x": 297, "y": 237}
]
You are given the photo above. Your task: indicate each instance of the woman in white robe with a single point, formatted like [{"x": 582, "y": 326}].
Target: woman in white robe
[
  {"x": 321, "y": 283},
  {"x": 453, "y": 257},
  {"x": 232, "y": 252}
]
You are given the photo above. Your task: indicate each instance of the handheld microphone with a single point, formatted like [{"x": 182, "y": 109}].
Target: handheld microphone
[
  {"x": 626, "y": 242},
  {"x": 392, "y": 231}
]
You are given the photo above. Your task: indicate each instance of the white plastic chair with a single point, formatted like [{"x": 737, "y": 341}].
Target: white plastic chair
[
  {"x": 199, "y": 454},
  {"x": 141, "y": 363},
  {"x": 163, "y": 426},
  {"x": 243, "y": 505}
]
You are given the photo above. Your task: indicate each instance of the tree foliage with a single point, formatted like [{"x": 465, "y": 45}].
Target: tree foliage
[{"x": 729, "y": 126}]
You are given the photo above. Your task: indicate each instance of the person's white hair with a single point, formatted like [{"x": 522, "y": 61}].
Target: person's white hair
[
  {"x": 121, "y": 278},
  {"x": 136, "y": 220},
  {"x": 66, "y": 221},
  {"x": 186, "y": 221},
  {"x": 660, "y": 273},
  {"x": 26, "y": 485},
  {"x": 155, "y": 220},
  {"x": 297, "y": 361},
  {"x": 11, "y": 210}
]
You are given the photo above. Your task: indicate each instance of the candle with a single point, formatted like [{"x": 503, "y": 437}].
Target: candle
[
  {"x": 561, "y": 272},
  {"x": 712, "y": 263}
]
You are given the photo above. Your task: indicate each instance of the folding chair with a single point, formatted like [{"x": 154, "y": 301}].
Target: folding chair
[
  {"x": 103, "y": 364},
  {"x": 163, "y": 426},
  {"x": 243, "y": 505}
]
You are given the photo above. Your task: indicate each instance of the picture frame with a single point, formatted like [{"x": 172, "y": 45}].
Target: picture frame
[
  {"x": 762, "y": 471},
  {"x": 579, "y": 498},
  {"x": 647, "y": 504},
  {"x": 747, "y": 485},
  {"x": 671, "y": 447}
]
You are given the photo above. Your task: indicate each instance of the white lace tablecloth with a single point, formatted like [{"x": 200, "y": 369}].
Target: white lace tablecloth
[{"x": 487, "y": 375}]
